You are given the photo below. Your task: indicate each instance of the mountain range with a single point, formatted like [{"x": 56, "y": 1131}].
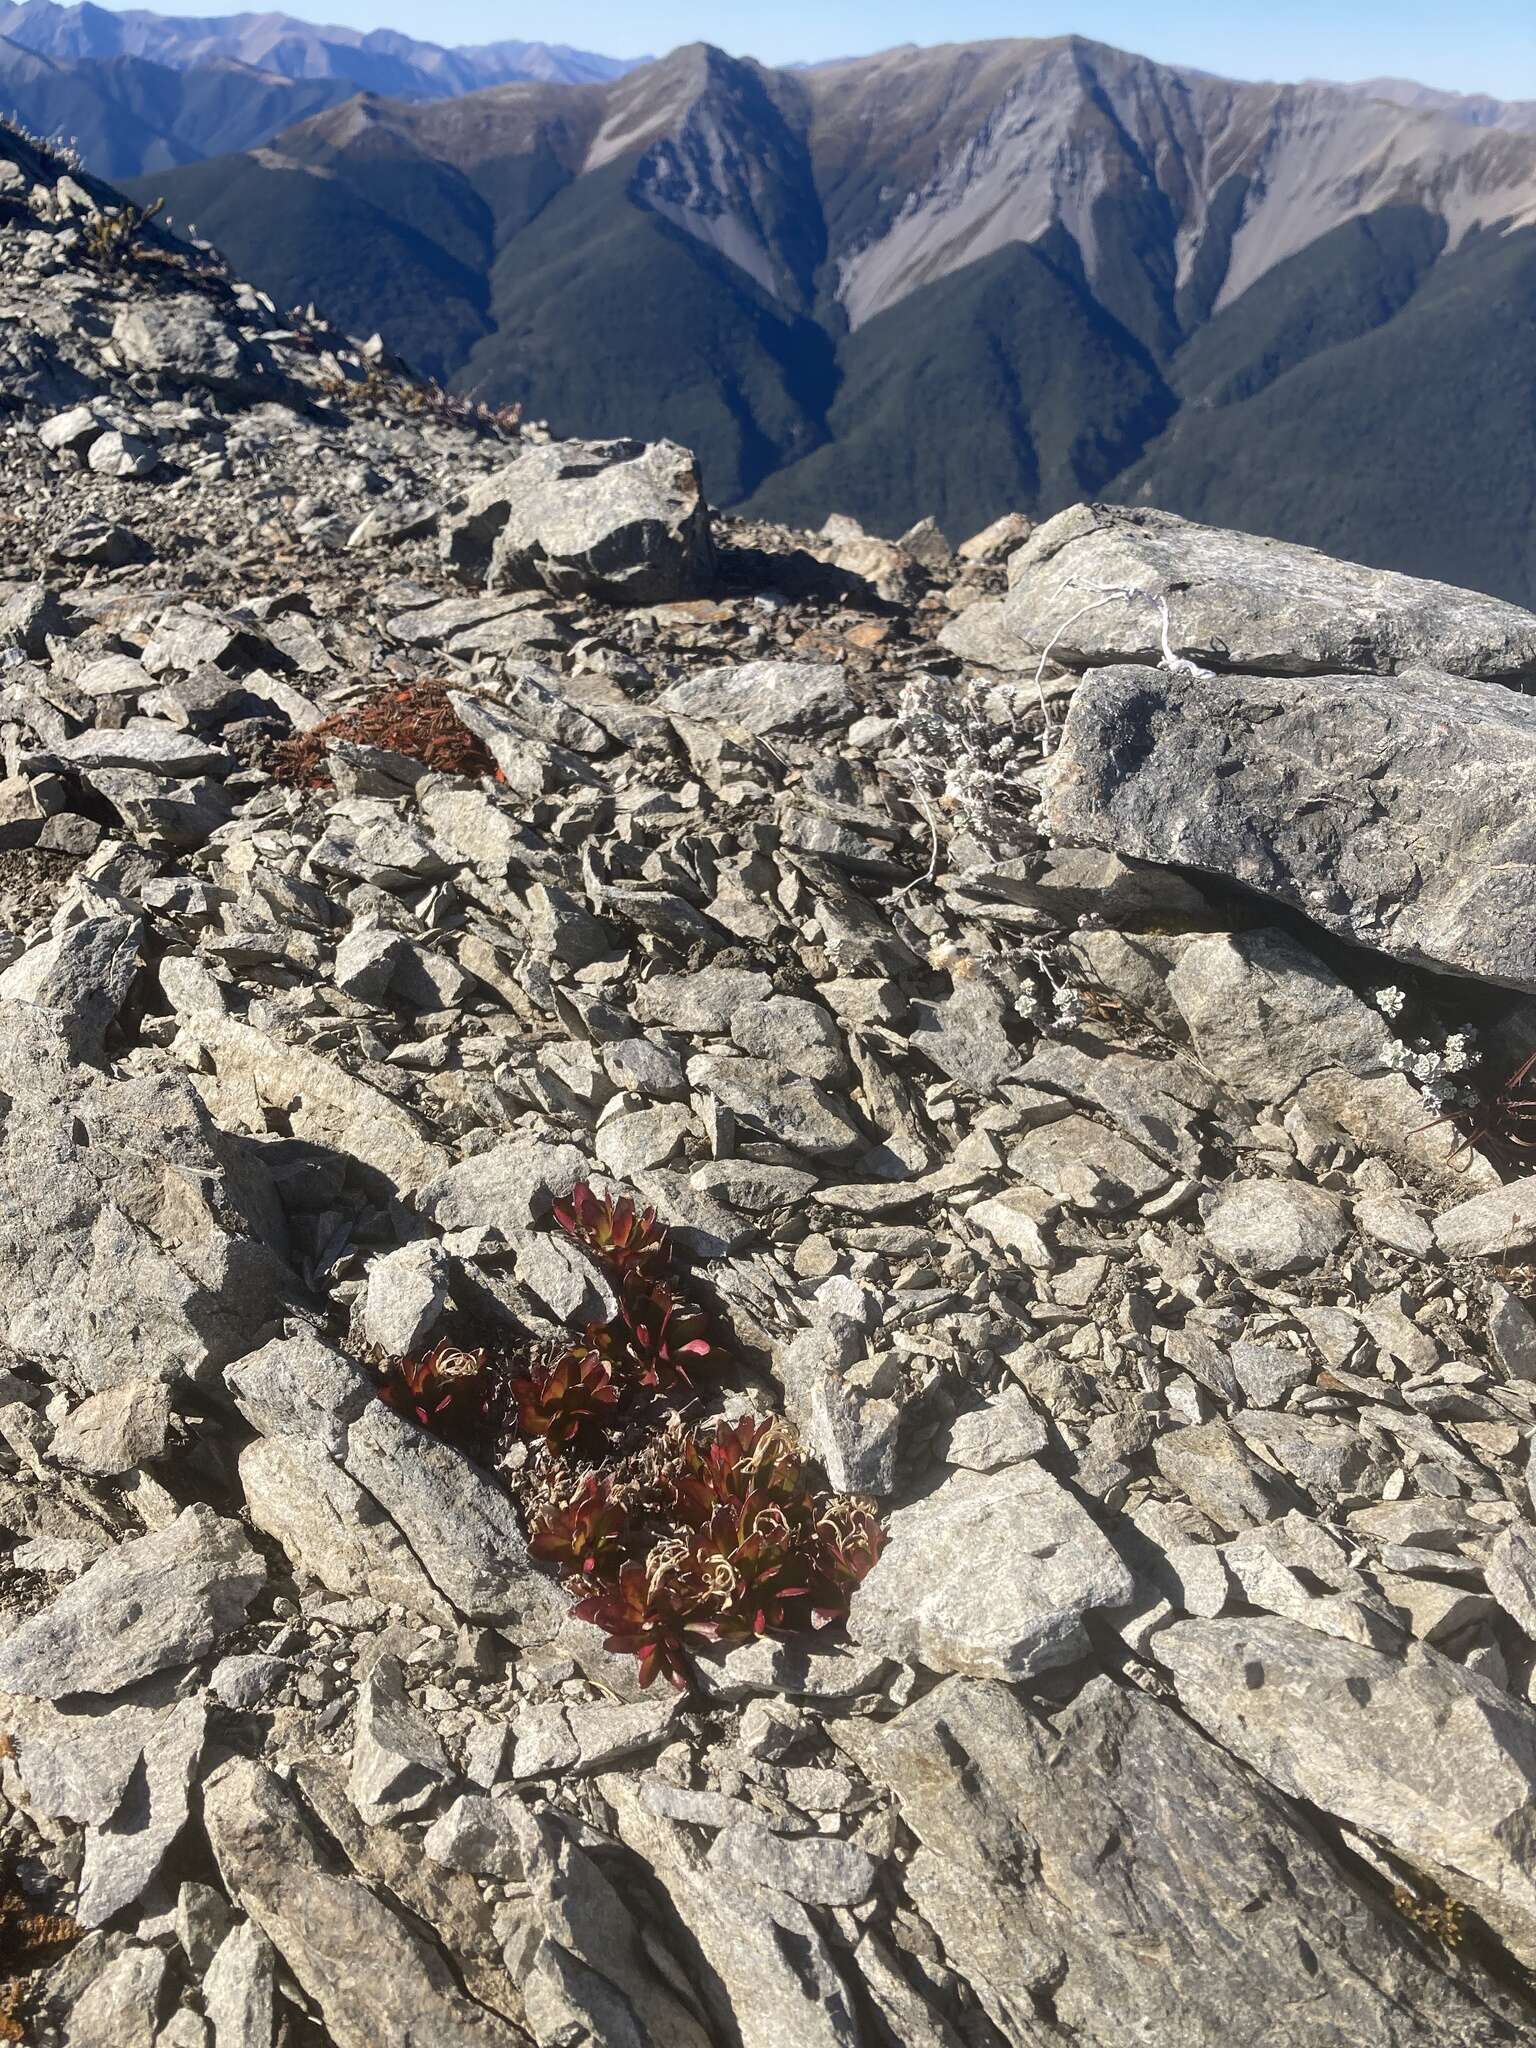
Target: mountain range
[
  {"x": 956, "y": 281},
  {"x": 138, "y": 91},
  {"x": 960, "y": 281}
]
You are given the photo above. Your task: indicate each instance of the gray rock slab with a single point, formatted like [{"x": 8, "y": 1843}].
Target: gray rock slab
[
  {"x": 1263, "y": 1013},
  {"x": 989, "y": 1575},
  {"x": 458, "y": 1520},
  {"x": 1486, "y": 1225},
  {"x": 818, "y": 1870},
  {"x": 124, "y": 1853},
  {"x": 1116, "y": 1868},
  {"x": 154, "y": 1602},
  {"x": 1390, "y": 810},
  {"x": 398, "y": 1764},
  {"x": 1240, "y": 601},
  {"x": 331, "y": 1529},
  {"x": 115, "y": 1430},
  {"x": 766, "y": 696},
  {"x": 240, "y": 1989},
  {"x": 621, "y": 520},
  {"x": 1272, "y": 1227},
  {"x": 372, "y": 1974},
  {"x": 1434, "y": 1761}
]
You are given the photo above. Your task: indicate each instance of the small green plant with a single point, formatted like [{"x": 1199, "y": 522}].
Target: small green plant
[
  {"x": 112, "y": 235},
  {"x": 1440, "y": 1918}
]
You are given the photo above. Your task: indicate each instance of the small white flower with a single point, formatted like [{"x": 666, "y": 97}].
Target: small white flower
[{"x": 1390, "y": 1001}]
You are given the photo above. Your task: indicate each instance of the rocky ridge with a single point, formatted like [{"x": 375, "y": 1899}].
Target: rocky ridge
[{"x": 1063, "y": 1173}]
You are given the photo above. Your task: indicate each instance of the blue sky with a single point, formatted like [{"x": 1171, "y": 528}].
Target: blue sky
[{"x": 1479, "y": 46}]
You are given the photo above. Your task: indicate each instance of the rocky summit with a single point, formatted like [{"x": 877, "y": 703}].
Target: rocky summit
[{"x": 757, "y": 1288}]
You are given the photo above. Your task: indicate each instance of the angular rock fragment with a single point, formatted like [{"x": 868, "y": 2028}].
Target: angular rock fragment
[
  {"x": 1264, "y": 1013},
  {"x": 372, "y": 1975},
  {"x": 622, "y": 520},
  {"x": 990, "y": 1575},
  {"x": 766, "y": 696},
  {"x": 1240, "y": 601},
  {"x": 398, "y": 1763},
  {"x": 1438, "y": 1764},
  {"x": 1110, "y": 1861},
  {"x": 1388, "y": 810},
  {"x": 154, "y": 1602}
]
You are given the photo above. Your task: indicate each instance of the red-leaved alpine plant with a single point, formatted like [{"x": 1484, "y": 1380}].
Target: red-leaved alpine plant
[{"x": 669, "y": 1536}]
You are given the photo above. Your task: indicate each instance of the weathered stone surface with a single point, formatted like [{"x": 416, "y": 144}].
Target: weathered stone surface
[
  {"x": 1498, "y": 1221},
  {"x": 1436, "y": 1762},
  {"x": 182, "y": 340},
  {"x": 123, "y": 1854},
  {"x": 297, "y": 1386},
  {"x": 1270, "y": 1227},
  {"x": 460, "y": 1523},
  {"x": 506, "y": 1188},
  {"x": 771, "y": 1976},
  {"x": 398, "y": 1763},
  {"x": 797, "y": 1112},
  {"x": 240, "y": 1989},
  {"x": 115, "y": 1430},
  {"x": 1390, "y": 810},
  {"x": 373, "y": 1976},
  {"x": 1216, "y": 1470},
  {"x": 156, "y": 1601},
  {"x": 1239, "y": 601},
  {"x": 624, "y": 520},
  {"x": 85, "y": 971},
  {"x": 331, "y": 1529},
  {"x": 136, "y": 1241},
  {"x": 1110, "y": 1875},
  {"x": 765, "y": 696},
  {"x": 323, "y": 1102},
  {"x": 817, "y": 1870},
  {"x": 991, "y": 1576},
  {"x": 474, "y": 1834},
  {"x": 1264, "y": 1013}
]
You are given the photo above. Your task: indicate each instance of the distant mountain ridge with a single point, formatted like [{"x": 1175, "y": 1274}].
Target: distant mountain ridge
[
  {"x": 960, "y": 280},
  {"x": 278, "y": 45},
  {"x": 1476, "y": 109},
  {"x": 129, "y": 115}
]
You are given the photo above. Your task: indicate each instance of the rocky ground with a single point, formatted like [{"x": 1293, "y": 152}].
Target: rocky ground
[{"x": 1056, "y": 1092}]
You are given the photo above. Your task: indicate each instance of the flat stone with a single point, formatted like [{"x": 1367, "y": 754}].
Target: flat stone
[
  {"x": 475, "y": 1835},
  {"x": 1274, "y": 1227},
  {"x": 1240, "y": 601},
  {"x": 154, "y": 1602},
  {"x": 1484, "y": 1226},
  {"x": 1009, "y": 1430},
  {"x": 116, "y": 1430},
  {"x": 124, "y": 1853},
  {"x": 240, "y": 1989},
  {"x": 990, "y": 1576},
  {"x": 398, "y": 1763},
  {"x": 1113, "y": 1861},
  {"x": 1438, "y": 1764},
  {"x": 708, "y": 1001},
  {"x": 1080, "y": 1164},
  {"x": 331, "y": 1529},
  {"x": 458, "y": 1520},
  {"x": 1264, "y": 1013},
  {"x": 1388, "y": 810},
  {"x": 372, "y": 1975},
  {"x": 818, "y": 1870},
  {"x": 788, "y": 1108},
  {"x": 766, "y": 696}
]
